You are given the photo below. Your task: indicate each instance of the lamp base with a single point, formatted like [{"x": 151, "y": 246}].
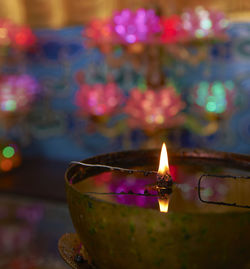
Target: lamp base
[{"x": 72, "y": 251}]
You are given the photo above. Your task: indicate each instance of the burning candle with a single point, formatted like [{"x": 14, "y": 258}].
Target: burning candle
[
  {"x": 164, "y": 173},
  {"x": 164, "y": 179},
  {"x": 164, "y": 164}
]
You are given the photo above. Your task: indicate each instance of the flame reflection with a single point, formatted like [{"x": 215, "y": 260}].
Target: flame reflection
[{"x": 163, "y": 204}]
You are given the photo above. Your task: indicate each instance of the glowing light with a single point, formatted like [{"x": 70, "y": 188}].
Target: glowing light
[
  {"x": 138, "y": 26},
  {"x": 6, "y": 165},
  {"x": 99, "y": 99},
  {"x": 164, "y": 165},
  {"x": 131, "y": 38},
  {"x": 148, "y": 109},
  {"x": 211, "y": 106},
  {"x": 14, "y": 35},
  {"x": 99, "y": 32},
  {"x": 3, "y": 33},
  {"x": 206, "y": 24},
  {"x": 9, "y": 105},
  {"x": 201, "y": 23},
  {"x": 172, "y": 29},
  {"x": 216, "y": 97},
  {"x": 8, "y": 152},
  {"x": 24, "y": 37},
  {"x": 163, "y": 205},
  {"x": 17, "y": 92}
]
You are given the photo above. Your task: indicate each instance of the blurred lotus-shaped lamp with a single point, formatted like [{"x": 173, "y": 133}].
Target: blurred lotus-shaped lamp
[
  {"x": 17, "y": 93},
  {"x": 200, "y": 23},
  {"x": 98, "y": 99},
  {"x": 153, "y": 110},
  {"x": 215, "y": 98},
  {"x": 136, "y": 26},
  {"x": 99, "y": 33}
]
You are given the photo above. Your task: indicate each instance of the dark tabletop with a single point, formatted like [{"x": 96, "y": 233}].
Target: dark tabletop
[
  {"x": 33, "y": 215},
  {"x": 37, "y": 178}
]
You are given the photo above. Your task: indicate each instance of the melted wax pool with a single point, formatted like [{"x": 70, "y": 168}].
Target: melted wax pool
[{"x": 129, "y": 189}]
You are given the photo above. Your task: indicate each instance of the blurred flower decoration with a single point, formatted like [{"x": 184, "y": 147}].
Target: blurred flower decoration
[
  {"x": 99, "y": 99},
  {"x": 136, "y": 26},
  {"x": 98, "y": 33},
  {"x": 217, "y": 97},
  {"x": 17, "y": 92},
  {"x": 12, "y": 35},
  {"x": 10, "y": 156},
  {"x": 24, "y": 38},
  {"x": 152, "y": 110},
  {"x": 144, "y": 26},
  {"x": 200, "y": 23},
  {"x": 171, "y": 29},
  {"x": 7, "y": 29},
  {"x": 150, "y": 42}
]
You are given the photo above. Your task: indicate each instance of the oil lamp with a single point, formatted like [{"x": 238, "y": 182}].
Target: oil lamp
[{"x": 114, "y": 201}]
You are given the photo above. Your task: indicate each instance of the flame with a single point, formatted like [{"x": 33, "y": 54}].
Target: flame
[
  {"x": 163, "y": 204},
  {"x": 163, "y": 166}
]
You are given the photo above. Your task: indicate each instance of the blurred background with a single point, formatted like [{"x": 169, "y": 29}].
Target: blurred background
[{"x": 80, "y": 78}]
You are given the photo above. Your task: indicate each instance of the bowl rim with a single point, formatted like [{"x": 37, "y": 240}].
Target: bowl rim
[{"x": 240, "y": 160}]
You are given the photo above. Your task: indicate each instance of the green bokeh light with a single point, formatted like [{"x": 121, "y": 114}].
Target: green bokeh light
[
  {"x": 10, "y": 105},
  {"x": 218, "y": 90},
  {"x": 206, "y": 24},
  {"x": 211, "y": 106},
  {"x": 8, "y": 152},
  {"x": 202, "y": 93},
  {"x": 212, "y": 97}
]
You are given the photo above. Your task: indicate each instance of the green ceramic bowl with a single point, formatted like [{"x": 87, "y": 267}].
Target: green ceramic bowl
[{"x": 120, "y": 236}]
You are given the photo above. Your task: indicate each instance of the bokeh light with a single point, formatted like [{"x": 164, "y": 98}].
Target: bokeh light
[
  {"x": 171, "y": 29},
  {"x": 17, "y": 92},
  {"x": 99, "y": 99},
  {"x": 216, "y": 97},
  {"x": 136, "y": 26},
  {"x": 98, "y": 32},
  {"x": 153, "y": 110},
  {"x": 201, "y": 23},
  {"x": 8, "y": 152},
  {"x": 10, "y": 157},
  {"x": 17, "y": 36},
  {"x": 6, "y": 165}
]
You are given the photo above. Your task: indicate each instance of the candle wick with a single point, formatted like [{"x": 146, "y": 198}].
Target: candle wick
[{"x": 115, "y": 168}]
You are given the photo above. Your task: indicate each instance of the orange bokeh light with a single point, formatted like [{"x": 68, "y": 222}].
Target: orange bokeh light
[{"x": 6, "y": 165}]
